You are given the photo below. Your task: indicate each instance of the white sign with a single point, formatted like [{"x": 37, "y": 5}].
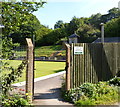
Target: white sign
[{"x": 78, "y": 50}]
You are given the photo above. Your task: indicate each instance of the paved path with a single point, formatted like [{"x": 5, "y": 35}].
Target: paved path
[{"x": 48, "y": 92}]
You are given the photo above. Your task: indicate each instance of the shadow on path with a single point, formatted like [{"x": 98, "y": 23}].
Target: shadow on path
[{"x": 51, "y": 94}]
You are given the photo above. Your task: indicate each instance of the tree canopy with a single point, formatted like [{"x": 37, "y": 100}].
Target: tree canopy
[
  {"x": 16, "y": 17},
  {"x": 87, "y": 28},
  {"x": 112, "y": 28}
]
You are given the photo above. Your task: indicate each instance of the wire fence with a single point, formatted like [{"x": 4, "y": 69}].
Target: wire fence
[
  {"x": 20, "y": 53},
  {"x": 56, "y": 55}
]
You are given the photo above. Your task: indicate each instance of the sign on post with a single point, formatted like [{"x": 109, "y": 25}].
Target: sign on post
[{"x": 78, "y": 50}]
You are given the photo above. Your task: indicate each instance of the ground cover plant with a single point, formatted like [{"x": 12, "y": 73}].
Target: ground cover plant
[
  {"x": 42, "y": 68},
  {"x": 101, "y": 93}
]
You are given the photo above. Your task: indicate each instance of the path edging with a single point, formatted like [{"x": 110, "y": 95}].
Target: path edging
[{"x": 40, "y": 78}]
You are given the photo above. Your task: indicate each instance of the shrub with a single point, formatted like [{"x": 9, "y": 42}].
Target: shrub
[
  {"x": 115, "y": 81},
  {"x": 13, "y": 101},
  {"x": 88, "y": 89},
  {"x": 86, "y": 102},
  {"x": 92, "y": 94}
]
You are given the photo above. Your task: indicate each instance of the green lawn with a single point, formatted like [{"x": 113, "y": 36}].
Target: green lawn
[{"x": 43, "y": 68}]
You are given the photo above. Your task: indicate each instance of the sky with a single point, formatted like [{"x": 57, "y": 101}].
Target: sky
[{"x": 65, "y": 10}]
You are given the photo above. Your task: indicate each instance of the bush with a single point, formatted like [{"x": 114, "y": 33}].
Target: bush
[
  {"x": 86, "y": 102},
  {"x": 13, "y": 101},
  {"x": 88, "y": 89},
  {"x": 92, "y": 94},
  {"x": 115, "y": 81}
]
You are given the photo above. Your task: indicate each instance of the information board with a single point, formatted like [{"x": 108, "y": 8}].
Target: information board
[{"x": 78, "y": 50}]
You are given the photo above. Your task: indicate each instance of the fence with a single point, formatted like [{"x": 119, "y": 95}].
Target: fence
[
  {"x": 40, "y": 55},
  {"x": 20, "y": 53},
  {"x": 93, "y": 62}
]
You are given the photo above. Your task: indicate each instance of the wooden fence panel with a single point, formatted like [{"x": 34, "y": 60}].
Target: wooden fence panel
[
  {"x": 118, "y": 57},
  {"x": 99, "y": 62}
]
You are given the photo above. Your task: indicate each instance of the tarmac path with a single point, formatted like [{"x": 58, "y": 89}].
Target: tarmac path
[{"x": 48, "y": 92}]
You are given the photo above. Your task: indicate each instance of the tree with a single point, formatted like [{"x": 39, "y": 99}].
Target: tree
[
  {"x": 112, "y": 28},
  {"x": 27, "y": 30},
  {"x": 41, "y": 35},
  {"x": 87, "y": 33},
  {"x": 95, "y": 20},
  {"x": 114, "y": 13},
  {"x": 59, "y": 24},
  {"x": 74, "y": 24},
  {"x": 14, "y": 15}
]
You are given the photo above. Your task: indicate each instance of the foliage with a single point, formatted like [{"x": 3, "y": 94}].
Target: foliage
[
  {"x": 8, "y": 48},
  {"x": 112, "y": 28},
  {"x": 18, "y": 20},
  {"x": 16, "y": 17},
  {"x": 115, "y": 81},
  {"x": 7, "y": 80},
  {"x": 95, "y": 20},
  {"x": 14, "y": 100},
  {"x": 54, "y": 36},
  {"x": 87, "y": 33},
  {"x": 92, "y": 94},
  {"x": 59, "y": 24},
  {"x": 27, "y": 30},
  {"x": 10, "y": 78},
  {"x": 75, "y": 24},
  {"x": 42, "y": 36},
  {"x": 15, "y": 14}
]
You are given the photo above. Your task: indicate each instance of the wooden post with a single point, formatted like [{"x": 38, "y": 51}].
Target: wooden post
[
  {"x": 67, "y": 66},
  {"x": 29, "y": 71},
  {"x": 102, "y": 32}
]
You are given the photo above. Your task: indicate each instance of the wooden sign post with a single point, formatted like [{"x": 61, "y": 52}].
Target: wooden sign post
[
  {"x": 30, "y": 71},
  {"x": 67, "y": 66}
]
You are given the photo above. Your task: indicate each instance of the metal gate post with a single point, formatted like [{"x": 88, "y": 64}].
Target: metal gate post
[
  {"x": 29, "y": 71},
  {"x": 67, "y": 66}
]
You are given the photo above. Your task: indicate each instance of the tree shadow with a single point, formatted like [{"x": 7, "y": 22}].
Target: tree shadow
[
  {"x": 56, "y": 71},
  {"x": 101, "y": 60}
]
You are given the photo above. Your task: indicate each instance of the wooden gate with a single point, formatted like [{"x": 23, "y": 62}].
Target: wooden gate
[{"x": 92, "y": 62}]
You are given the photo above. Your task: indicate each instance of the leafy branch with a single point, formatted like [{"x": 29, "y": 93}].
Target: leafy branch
[{"x": 10, "y": 78}]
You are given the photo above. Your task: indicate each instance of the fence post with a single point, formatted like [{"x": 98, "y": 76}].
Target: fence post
[
  {"x": 67, "y": 46},
  {"x": 29, "y": 71}
]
